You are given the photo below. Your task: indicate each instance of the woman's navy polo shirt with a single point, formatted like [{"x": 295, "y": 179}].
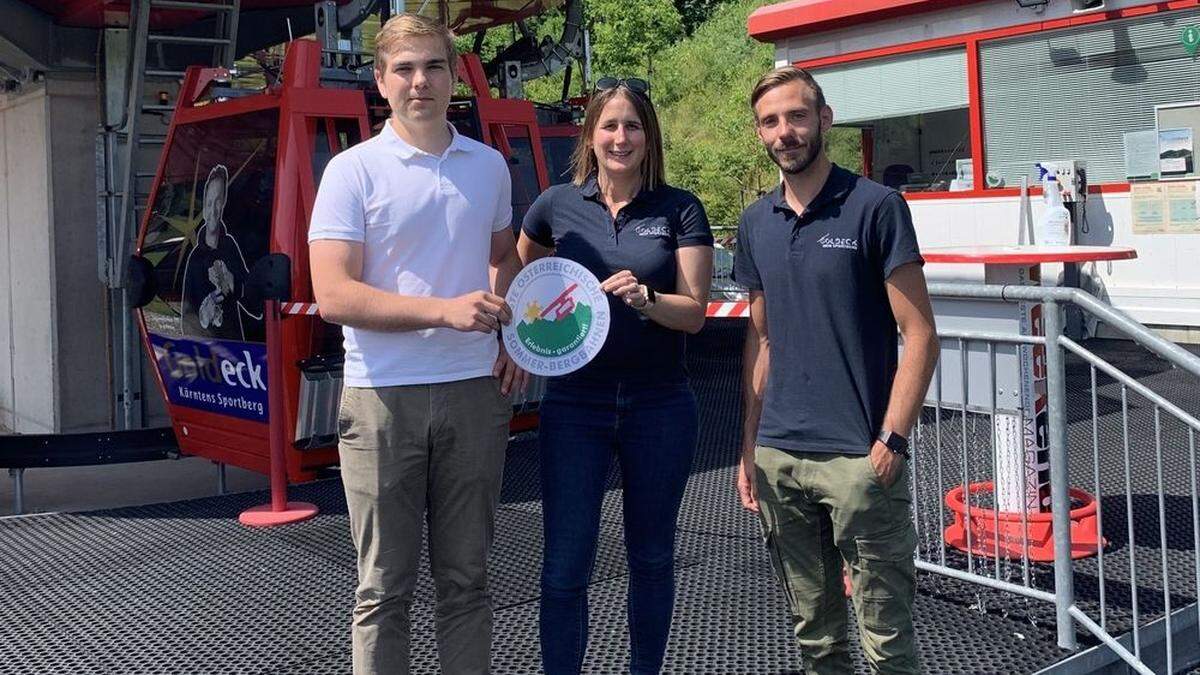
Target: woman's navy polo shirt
[{"x": 575, "y": 221}]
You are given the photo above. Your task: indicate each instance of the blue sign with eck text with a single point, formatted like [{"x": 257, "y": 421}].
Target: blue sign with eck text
[{"x": 220, "y": 376}]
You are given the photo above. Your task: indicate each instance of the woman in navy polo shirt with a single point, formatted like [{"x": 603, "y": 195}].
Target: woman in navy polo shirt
[{"x": 651, "y": 245}]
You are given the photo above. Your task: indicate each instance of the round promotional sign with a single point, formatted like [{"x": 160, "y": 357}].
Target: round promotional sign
[{"x": 560, "y": 317}]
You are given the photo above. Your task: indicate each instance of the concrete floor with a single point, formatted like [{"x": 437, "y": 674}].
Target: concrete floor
[{"x": 97, "y": 487}]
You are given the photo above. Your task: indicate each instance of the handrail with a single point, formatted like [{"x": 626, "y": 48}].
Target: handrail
[
  {"x": 1147, "y": 338},
  {"x": 1069, "y": 615},
  {"x": 1127, "y": 381}
]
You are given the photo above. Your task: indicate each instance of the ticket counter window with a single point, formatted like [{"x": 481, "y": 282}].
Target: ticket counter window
[
  {"x": 208, "y": 225},
  {"x": 916, "y": 153},
  {"x": 907, "y": 116},
  {"x": 1073, "y": 94}
]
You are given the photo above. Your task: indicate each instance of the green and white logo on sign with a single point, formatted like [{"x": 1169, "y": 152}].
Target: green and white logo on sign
[{"x": 560, "y": 317}]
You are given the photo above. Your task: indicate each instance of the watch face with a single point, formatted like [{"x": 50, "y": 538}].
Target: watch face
[{"x": 895, "y": 442}]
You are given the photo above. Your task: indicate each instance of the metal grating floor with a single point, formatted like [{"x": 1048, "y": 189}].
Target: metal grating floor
[{"x": 183, "y": 588}]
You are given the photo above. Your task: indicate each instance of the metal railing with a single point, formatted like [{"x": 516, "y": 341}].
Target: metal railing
[{"x": 1144, "y": 563}]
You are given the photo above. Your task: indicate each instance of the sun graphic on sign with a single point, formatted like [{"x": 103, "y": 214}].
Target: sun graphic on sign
[{"x": 532, "y": 311}]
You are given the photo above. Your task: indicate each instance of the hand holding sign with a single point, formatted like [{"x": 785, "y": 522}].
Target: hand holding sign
[
  {"x": 477, "y": 311},
  {"x": 625, "y": 286}
]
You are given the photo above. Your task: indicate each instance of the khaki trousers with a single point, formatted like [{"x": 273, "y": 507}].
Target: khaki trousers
[
  {"x": 822, "y": 512},
  {"x": 410, "y": 454}
]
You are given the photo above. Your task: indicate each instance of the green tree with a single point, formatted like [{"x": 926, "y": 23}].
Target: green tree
[
  {"x": 626, "y": 37},
  {"x": 695, "y": 12},
  {"x": 702, "y": 90},
  {"x": 700, "y": 84}
]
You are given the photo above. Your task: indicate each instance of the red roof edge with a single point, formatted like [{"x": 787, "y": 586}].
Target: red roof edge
[{"x": 785, "y": 19}]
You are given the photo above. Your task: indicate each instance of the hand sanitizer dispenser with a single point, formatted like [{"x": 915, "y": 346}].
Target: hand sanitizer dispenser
[{"x": 1054, "y": 225}]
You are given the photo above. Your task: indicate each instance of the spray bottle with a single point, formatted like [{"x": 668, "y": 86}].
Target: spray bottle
[{"x": 1054, "y": 225}]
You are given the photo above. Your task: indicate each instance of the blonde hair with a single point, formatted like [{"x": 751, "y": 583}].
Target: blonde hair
[
  {"x": 406, "y": 26},
  {"x": 583, "y": 159},
  {"x": 781, "y": 76}
]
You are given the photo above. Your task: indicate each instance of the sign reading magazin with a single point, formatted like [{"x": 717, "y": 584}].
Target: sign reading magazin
[{"x": 560, "y": 317}]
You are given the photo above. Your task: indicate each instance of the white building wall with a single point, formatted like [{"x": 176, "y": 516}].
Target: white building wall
[
  {"x": 1160, "y": 287},
  {"x": 27, "y": 394},
  {"x": 83, "y": 394},
  {"x": 6, "y": 379}
]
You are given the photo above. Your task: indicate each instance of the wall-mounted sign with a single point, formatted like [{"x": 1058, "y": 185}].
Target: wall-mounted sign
[
  {"x": 1141, "y": 154},
  {"x": 1190, "y": 39},
  {"x": 1178, "y": 124},
  {"x": 1175, "y": 156},
  {"x": 1166, "y": 208}
]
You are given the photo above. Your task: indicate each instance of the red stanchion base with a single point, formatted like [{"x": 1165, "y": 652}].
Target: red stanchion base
[
  {"x": 263, "y": 516},
  {"x": 1038, "y": 539}
]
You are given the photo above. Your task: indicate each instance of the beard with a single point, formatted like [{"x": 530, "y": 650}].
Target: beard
[{"x": 805, "y": 160}]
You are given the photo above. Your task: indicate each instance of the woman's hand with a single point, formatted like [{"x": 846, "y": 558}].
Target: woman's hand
[{"x": 625, "y": 286}]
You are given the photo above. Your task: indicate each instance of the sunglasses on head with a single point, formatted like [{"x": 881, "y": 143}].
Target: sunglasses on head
[{"x": 634, "y": 84}]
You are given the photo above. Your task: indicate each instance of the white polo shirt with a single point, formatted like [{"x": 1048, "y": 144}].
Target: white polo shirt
[{"x": 425, "y": 222}]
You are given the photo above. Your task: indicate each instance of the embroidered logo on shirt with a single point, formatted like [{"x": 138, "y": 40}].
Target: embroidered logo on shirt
[
  {"x": 838, "y": 242},
  {"x": 653, "y": 231}
]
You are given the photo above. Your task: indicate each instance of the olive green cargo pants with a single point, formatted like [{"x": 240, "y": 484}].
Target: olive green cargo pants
[{"x": 825, "y": 512}]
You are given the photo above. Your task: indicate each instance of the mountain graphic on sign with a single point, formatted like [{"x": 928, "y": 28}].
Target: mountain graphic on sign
[{"x": 558, "y": 329}]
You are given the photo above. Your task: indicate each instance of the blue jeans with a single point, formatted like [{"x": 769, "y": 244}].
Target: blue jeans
[{"x": 652, "y": 430}]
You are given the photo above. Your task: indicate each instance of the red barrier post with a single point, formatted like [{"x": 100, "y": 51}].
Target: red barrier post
[{"x": 280, "y": 511}]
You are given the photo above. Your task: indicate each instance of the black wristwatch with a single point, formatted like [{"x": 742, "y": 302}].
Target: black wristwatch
[
  {"x": 894, "y": 442},
  {"x": 651, "y": 298}
]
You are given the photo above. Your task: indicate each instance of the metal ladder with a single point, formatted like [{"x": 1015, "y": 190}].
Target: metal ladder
[{"x": 120, "y": 168}]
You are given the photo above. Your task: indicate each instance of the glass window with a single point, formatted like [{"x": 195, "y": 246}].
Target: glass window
[
  {"x": 210, "y": 223},
  {"x": 557, "y": 150},
  {"x": 524, "y": 173},
  {"x": 347, "y": 132},
  {"x": 907, "y": 115},
  {"x": 321, "y": 152},
  {"x": 1074, "y": 93}
]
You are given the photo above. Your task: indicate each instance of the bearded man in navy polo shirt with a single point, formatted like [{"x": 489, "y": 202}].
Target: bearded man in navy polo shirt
[{"x": 833, "y": 268}]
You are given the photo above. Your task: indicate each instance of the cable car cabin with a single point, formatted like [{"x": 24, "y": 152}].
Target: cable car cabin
[{"x": 236, "y": 183}]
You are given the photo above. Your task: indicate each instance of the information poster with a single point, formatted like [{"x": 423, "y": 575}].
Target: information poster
[
  {"x": 1175, "y": 152},
  {"x": 1166, "y": 208},
  {"x": 1149, "y": 208},
  {"x": 1141, "y": 154},
  {"x": 1182, "y": 211}
]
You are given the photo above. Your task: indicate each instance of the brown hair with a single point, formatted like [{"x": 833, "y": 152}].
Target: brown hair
[
  {"x": 406, "y": 26},
  {"x": 583, "y": 159},
  {"x": 781, "y": 76}
]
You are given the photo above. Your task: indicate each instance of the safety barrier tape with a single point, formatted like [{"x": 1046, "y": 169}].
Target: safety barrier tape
[{"x": 730, "y": 310}]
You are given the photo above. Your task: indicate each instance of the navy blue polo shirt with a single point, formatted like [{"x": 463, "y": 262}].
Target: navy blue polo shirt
[
  {"x": 575, "y": 221},
  {"x": 833, "y": 342}
]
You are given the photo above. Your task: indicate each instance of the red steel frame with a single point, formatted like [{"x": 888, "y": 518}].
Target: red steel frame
[
  {"x": 302, "y": 103},
  {"x": 971, "y": 42}
]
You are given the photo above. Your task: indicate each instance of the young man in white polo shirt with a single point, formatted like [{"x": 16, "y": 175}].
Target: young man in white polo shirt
[{"x": 407, "y": 229}]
